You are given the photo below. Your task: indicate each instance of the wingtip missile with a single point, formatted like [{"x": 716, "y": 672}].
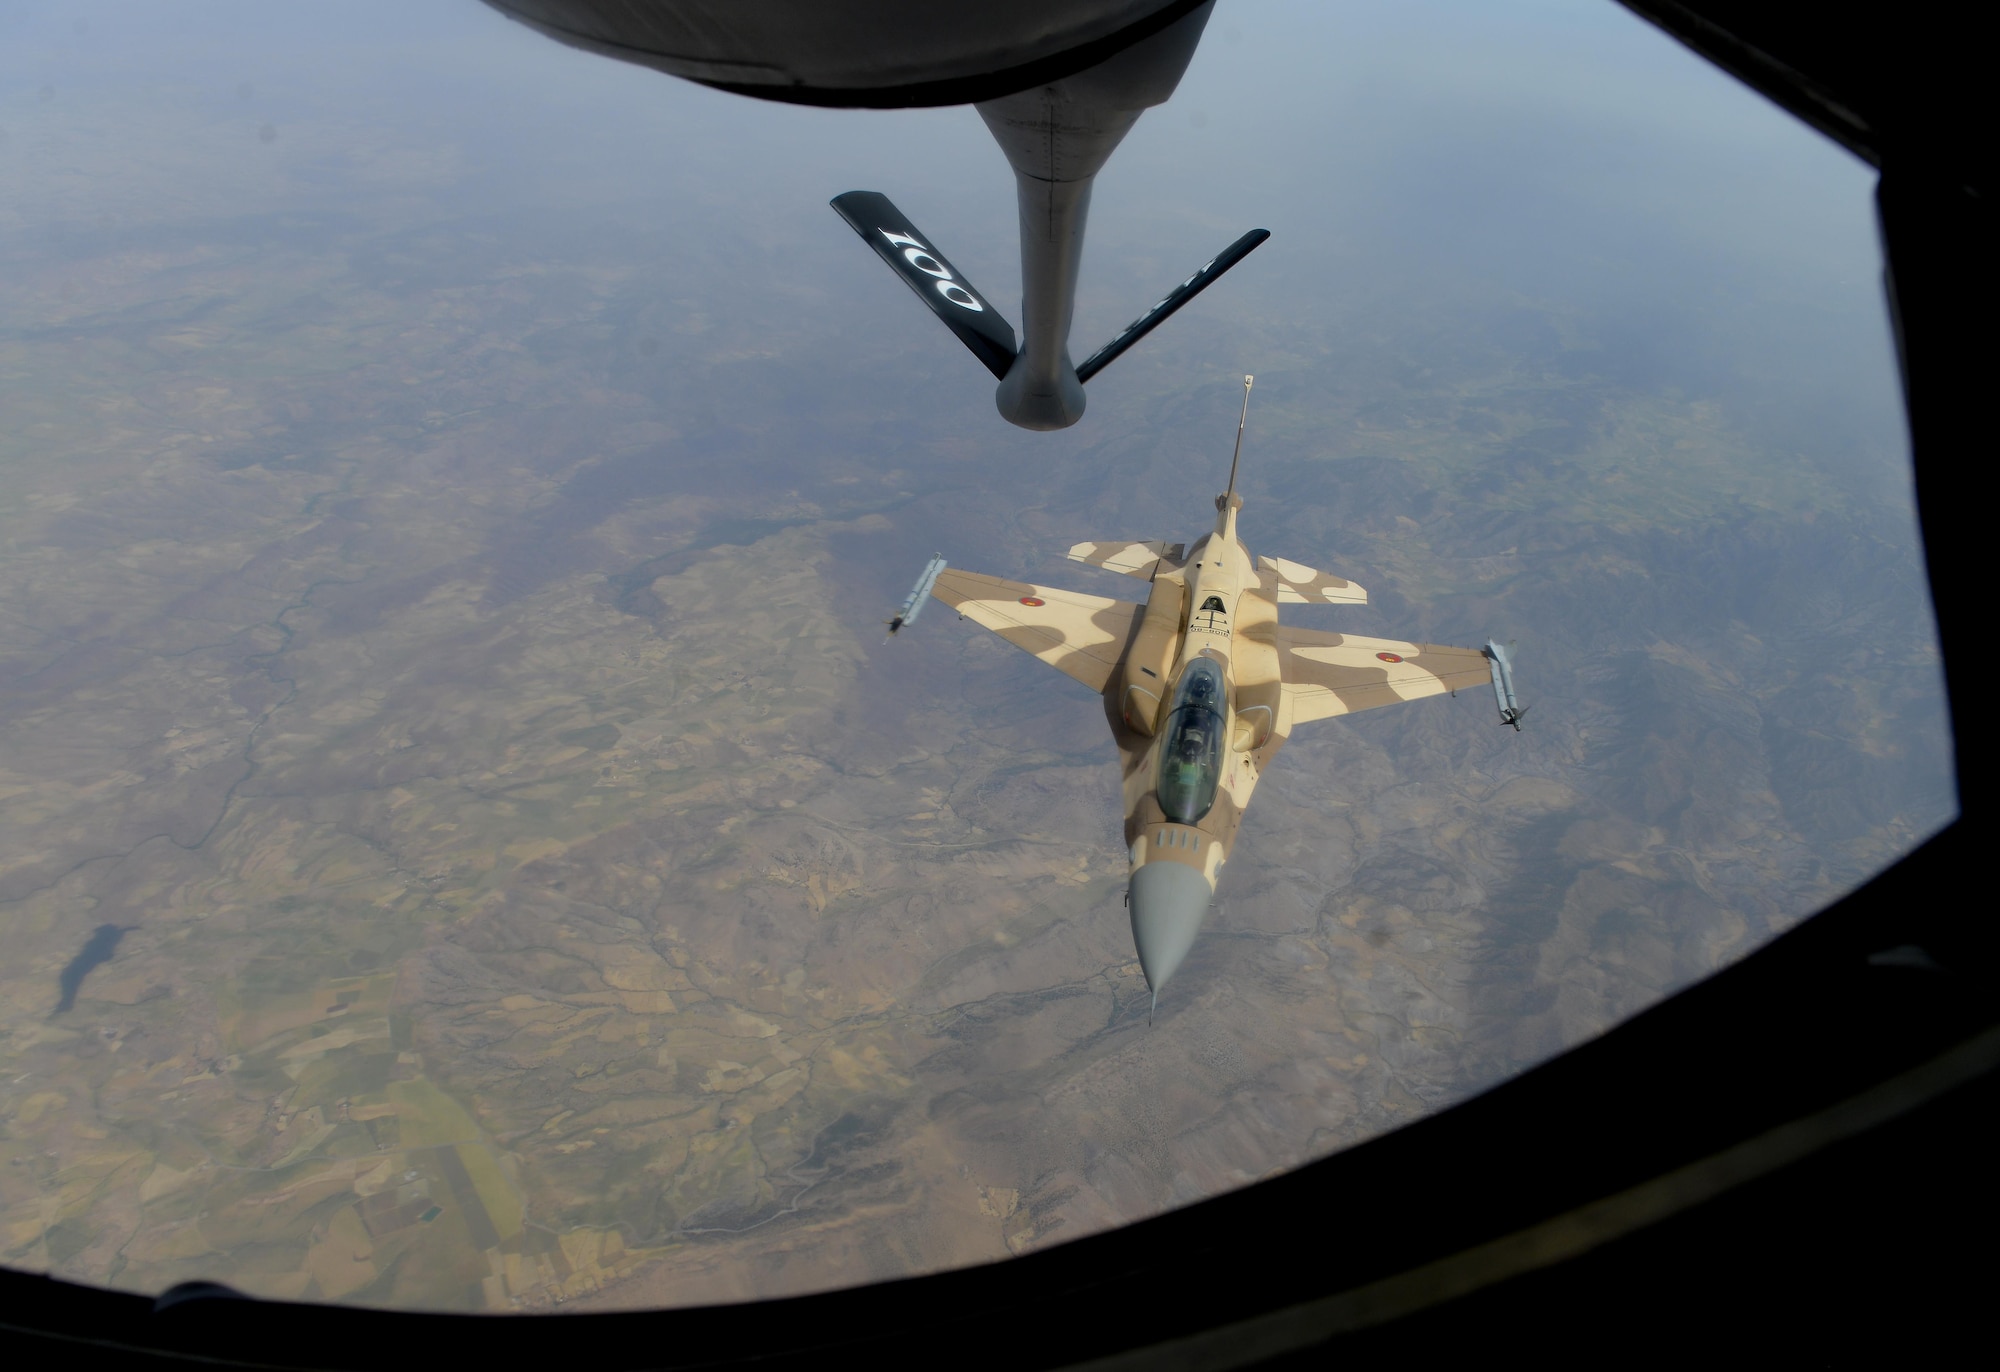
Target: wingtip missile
[
  {"x": 1511, "y": 709},
  {"x": 913, "y": 604}
]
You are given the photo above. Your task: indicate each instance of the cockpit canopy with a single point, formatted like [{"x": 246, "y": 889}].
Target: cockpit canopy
[{"x": 1191, "y": 744}]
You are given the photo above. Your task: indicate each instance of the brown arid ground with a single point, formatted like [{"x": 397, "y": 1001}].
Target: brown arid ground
[{"x": 457, "y": 670}]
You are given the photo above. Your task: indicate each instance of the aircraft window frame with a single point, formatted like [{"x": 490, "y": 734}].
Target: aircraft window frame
[{"x": 1199, "y": 701}]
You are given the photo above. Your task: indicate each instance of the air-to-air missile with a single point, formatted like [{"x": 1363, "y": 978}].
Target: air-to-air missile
[
  {"x": 1202, "y": 686},
  {"x": 1511, "y": 709},
  {"x": 920, "y": 594},
  {"x": 1059, "y": 84}
]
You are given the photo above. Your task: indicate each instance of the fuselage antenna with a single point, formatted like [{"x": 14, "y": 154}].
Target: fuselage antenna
[{"x": 1238, "y": 456}]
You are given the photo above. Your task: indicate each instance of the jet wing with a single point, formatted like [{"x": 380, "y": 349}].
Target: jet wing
[
  {"x": 1293, "y": 583},
  {"x": 1134, "y": 559},
  {"x": 1080, "y": 635},
  {"x": 1339, "y": 674}
]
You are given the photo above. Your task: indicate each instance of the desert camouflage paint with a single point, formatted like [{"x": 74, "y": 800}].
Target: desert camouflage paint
[{"x": 1278, "y": 676}]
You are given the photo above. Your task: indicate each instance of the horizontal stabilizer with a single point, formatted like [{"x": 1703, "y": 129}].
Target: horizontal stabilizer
[
  {"x": 1292, "y": 583},
  {"x": 1177, "y": 297},
  {"x": 924, "y": 269},
  {"x": 1133, "y": 559}
]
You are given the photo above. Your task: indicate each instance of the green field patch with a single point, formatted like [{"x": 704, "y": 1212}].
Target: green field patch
[
  {"x": 496, "y": 1195},
  {"x": 427, "y": 1118},
  {"x": 596, "y": 738},
  {"x": 348, "y": 1075},
  {"x": 262, "y": 1018}
]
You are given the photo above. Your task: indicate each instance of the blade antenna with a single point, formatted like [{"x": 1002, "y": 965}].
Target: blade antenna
[{"x": 1238, "y": 456}]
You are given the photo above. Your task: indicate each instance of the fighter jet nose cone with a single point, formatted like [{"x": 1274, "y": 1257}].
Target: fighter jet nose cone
[
  {"x": 1168, "y": 901},
  {"x": 1032, "y": 398}
]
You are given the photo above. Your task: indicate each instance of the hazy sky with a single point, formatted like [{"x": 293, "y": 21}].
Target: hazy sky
[{"x": 1566, "y": 152}]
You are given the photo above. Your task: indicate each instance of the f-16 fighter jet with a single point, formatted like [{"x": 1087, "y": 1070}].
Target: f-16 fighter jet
[{"x": 1202, "y": 686}]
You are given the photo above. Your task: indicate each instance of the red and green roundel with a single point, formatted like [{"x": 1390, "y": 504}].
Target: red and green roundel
[
  {"x": 1033, "y": 600},
  {"x": 1390, "y": 657}
]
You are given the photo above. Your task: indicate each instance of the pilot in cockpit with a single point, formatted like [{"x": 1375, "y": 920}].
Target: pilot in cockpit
[{"x": 1191, "y": 751}]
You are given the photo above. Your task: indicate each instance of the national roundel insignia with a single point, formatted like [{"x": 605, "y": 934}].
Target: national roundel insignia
[
  {"x": 1033, "y": 600},
  {"x": 1390, "y": 657}
]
